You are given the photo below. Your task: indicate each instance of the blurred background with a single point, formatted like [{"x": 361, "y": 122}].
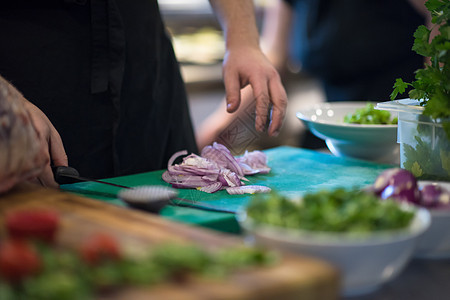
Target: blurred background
[{"x": 199, "y": 46}]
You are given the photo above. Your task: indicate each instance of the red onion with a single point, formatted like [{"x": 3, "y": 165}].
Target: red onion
[
  {"x": 397, "y": 183},
  {"x": 254, "y": 162},
  {"x": 216, "y": 168},
  {"x": 175, "y": 156},
  {"x": 433, "y": 195},
  {"x": 222, "y": 156},
  {"x": 248, "y": 189},
  {"x": 212, "y": 188},
  {"x": 229, "y": 178}
]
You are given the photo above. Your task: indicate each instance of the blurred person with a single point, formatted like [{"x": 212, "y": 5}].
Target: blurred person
[
  {"x": 101, "y": 77},
  {"x": 355, "y": 49}
]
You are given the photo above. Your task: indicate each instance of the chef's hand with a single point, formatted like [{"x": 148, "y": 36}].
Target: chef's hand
[
  {"x": 248, "y": 65},
  {"x": 245, "y": 64},
  {"x": 28, "y": 141},
  {"x": 52, "y": 148}
]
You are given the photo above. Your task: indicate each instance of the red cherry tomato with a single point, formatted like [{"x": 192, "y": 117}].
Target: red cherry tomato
[
  {"x": 100, "y": 247},
  {"x": 33, "y": 224},
  {"x": 18, "y": 260}
]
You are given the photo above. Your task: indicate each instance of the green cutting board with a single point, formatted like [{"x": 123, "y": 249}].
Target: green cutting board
[{"x": 294, "y": 172}]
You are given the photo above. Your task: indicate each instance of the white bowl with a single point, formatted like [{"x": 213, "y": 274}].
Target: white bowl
[
  {"x": 370, "y": 142},
  {"x": 435, "y": 242},
  {"x": 365, "y": 263}
]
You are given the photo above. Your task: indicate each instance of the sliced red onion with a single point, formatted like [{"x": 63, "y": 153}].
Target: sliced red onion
[
  {"x": 211, "y": 178},
  {"x": 193, "y": 181},
  {"x": 434, "y": 196},
  {"x": 248, "y": 170},
  {"x": 223, "y": 157},
  {"x": 189, "y": 184},
  {"x": 166, "y": 177},
  {"x": 200, "y": 171},
  {"x": 254, "y": 158},
  {"x": 228, "y": 178},
  {"x": 248, "y": 189},
  {"x": 175, "y": 156},
  {"x": 176, "y": 171},
  {"x": 251, "y": 171},
  {"x": 212, "y": 188},
  {"x": 194, "y": 160},
  {"x": 254, "y": 162},
  {"x": 215, "y": 169}
]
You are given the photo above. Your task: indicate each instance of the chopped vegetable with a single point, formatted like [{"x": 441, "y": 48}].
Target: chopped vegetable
[
  {"x": 30, "y": 269},
  {"x": 254, "y": 162},
  {"x": 402, "y": 185},
  {"x": 338, "y": 210},
  {"x": 399, "y": 184},
  {"x": 100, "y": 248},
  {"x": 248, "y": 189},
  {"x": 370, "y": 115},
  {"x": 18, "y": 260},
  {"x": 37, "y": 224},
  {"x": 434, "y": 196},
  {"x": 214, "y": 170}
]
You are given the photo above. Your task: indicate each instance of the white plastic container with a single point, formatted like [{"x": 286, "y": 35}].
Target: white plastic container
[{"x": 424, "y": 146}]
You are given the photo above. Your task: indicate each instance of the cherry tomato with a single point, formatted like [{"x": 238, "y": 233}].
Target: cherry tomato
[
  {"x": 18, "y": 260},
  {"x": 33, "y": 224},
  {"x": 100, "y": 247}
]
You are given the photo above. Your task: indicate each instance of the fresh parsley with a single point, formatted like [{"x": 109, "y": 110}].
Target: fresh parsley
[
  {"x": 432, "y": 83},
  {"x": 370, "y": 115},
  {"x": 352, "y": 211}
]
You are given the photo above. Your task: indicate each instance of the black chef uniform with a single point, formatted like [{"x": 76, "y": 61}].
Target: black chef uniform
[{"x": 105, "y": 74}]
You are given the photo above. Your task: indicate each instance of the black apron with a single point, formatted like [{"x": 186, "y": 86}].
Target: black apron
[{"x": 105, "y": 74}]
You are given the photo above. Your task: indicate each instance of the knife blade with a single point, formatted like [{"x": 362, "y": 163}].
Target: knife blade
[{"x": 67, "y": 175}]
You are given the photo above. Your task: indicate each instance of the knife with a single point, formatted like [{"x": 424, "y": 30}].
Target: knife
[{"x": 67, "y": 175}]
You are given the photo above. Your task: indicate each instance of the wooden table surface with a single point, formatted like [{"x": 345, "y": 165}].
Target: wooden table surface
[{"x": 294, "y": 277}]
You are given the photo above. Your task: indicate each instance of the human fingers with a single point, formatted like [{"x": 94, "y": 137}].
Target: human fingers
[
  {"x": 232, "y": 89},
  {"x": 47, "y": 179},
  {"x": 7, "y": 183},
  {"x": 278, "y": 98},
  {"x": 57, "y": 157},
  {"x": 262, "y": 100},
  {"x": 57, "y": 152}
]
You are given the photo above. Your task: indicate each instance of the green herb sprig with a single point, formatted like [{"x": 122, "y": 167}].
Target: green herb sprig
[
  {"x": 369, "y": 115},
  {"x": 432, "y": 83},
  {"x": 351, "y": 211}
]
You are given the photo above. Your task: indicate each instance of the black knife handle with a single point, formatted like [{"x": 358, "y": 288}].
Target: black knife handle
[{"x": 65, "y": 175}]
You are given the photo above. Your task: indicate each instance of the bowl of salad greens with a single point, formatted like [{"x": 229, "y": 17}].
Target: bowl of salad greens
[
  {"x": 354, "y": 129},
  {"x": 368, "y": 239}
]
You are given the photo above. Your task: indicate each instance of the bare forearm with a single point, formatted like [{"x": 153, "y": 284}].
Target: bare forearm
[
  {"x": 276, "y": 32},
  {"x": 245, "y": 64},
  {"x": 419, "y": 6},
  {"x": 238, "y": 22}
]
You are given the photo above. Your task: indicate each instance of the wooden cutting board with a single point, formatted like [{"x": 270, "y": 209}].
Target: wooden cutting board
[{"x": 294, "y": 277}]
